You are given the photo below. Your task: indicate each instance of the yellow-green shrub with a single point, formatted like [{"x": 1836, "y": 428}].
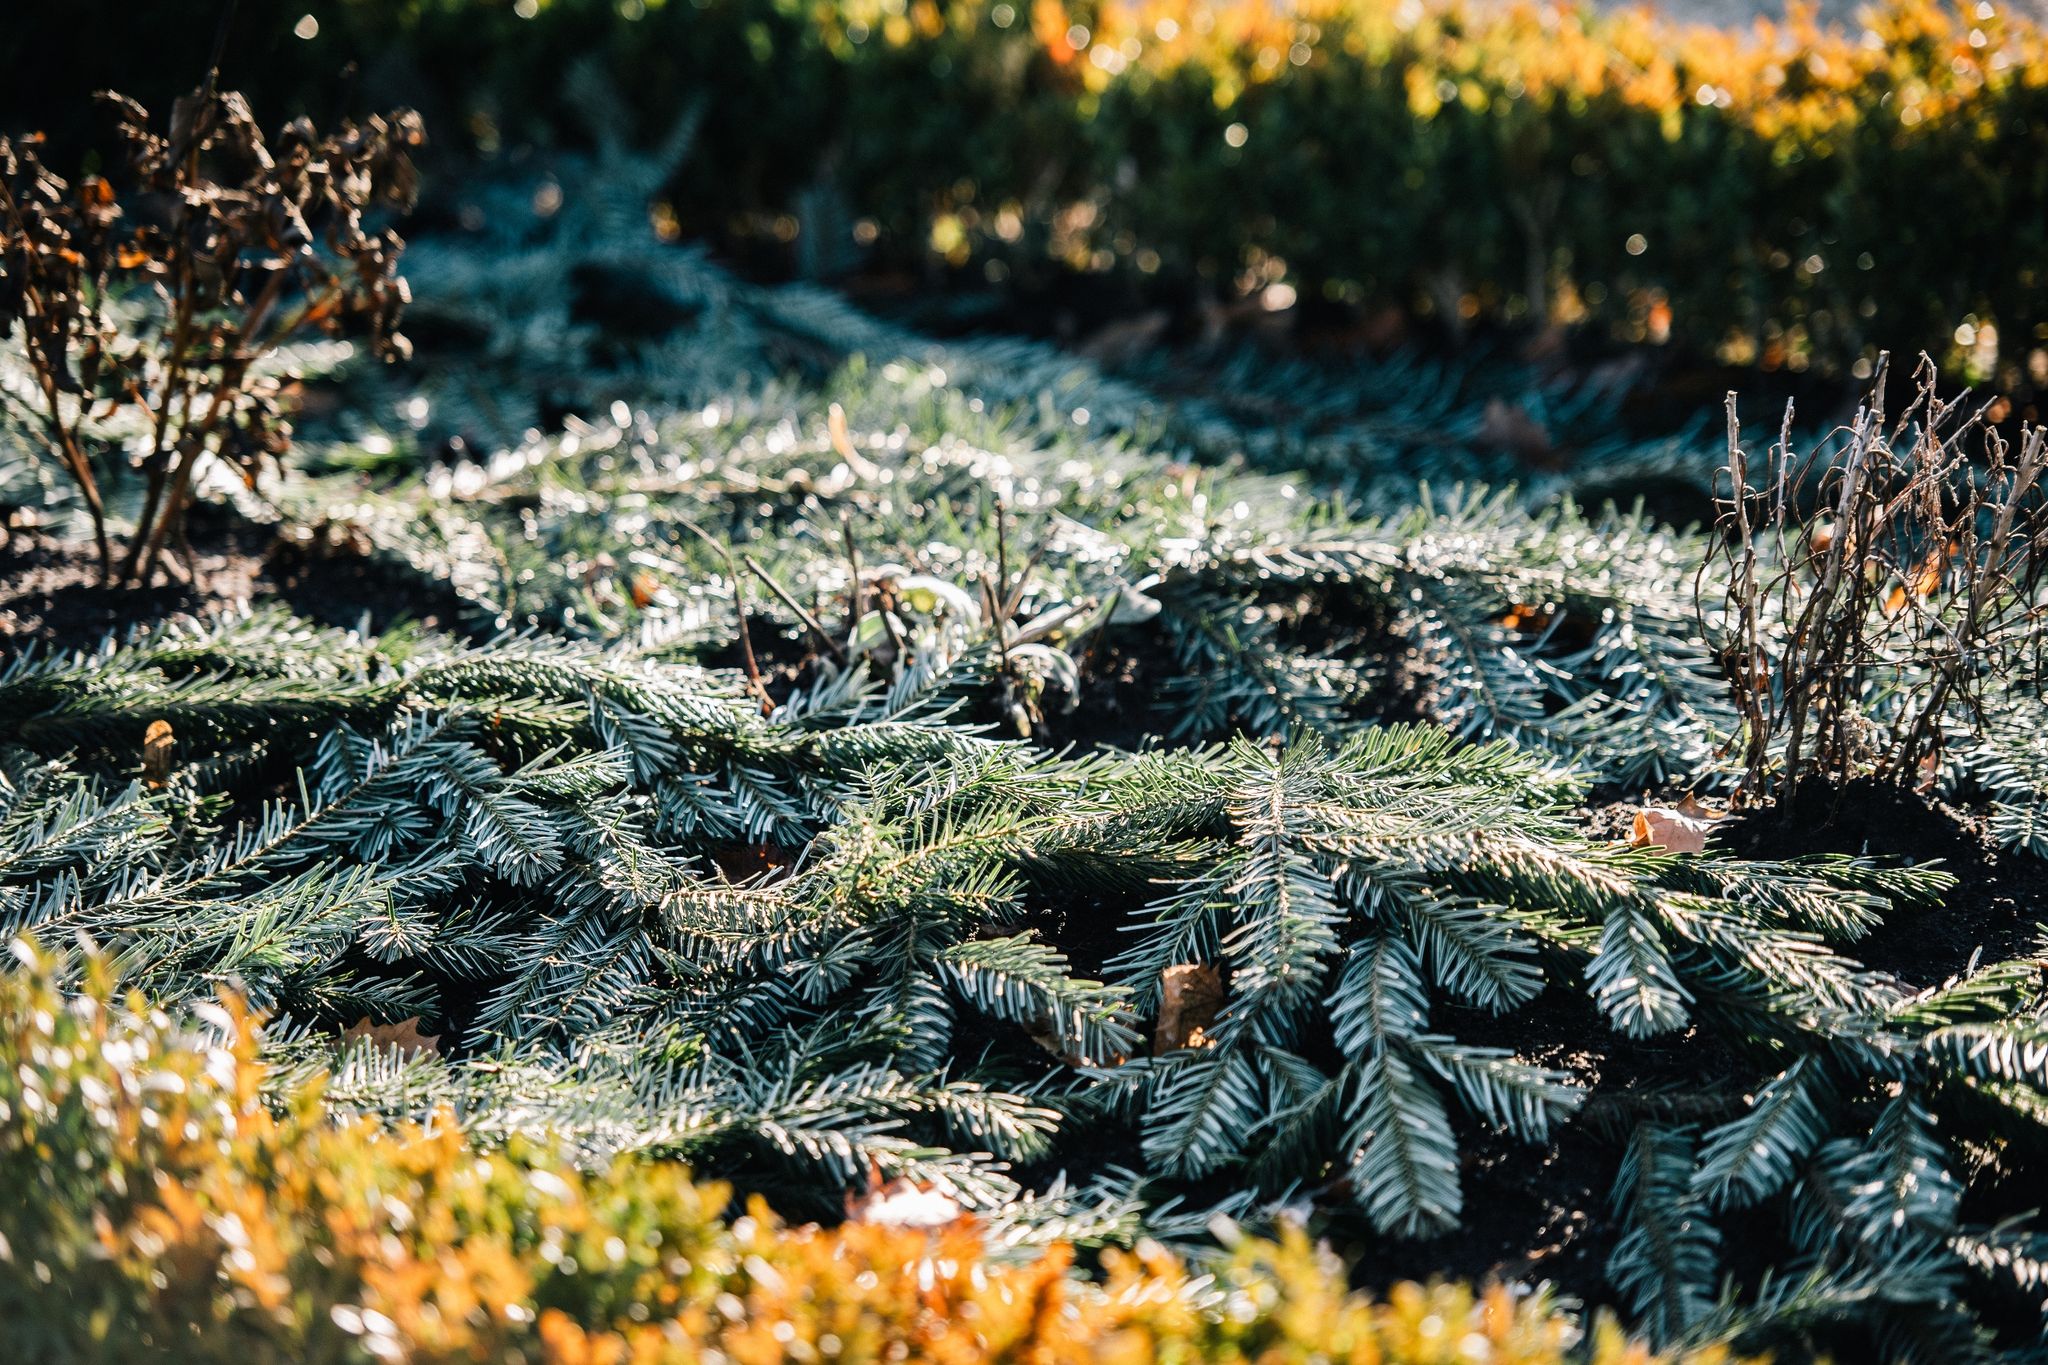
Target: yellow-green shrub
[{"x": 158, "y": 1207}]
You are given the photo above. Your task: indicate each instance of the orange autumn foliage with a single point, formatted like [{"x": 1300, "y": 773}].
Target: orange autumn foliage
[{"x": 164, "y": 1205}]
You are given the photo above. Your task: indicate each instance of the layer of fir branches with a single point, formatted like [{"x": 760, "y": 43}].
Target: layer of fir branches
[{"x": 832, "y": 746}]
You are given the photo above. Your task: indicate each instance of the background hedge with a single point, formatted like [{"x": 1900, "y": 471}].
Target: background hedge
[{"x": 1788, "y": 195}]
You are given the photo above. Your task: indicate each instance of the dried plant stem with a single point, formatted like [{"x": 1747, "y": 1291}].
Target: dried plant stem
[
  {"x": 748, "y": 662},
  {"x": 1871, "y": 628},
  {"x": 856, "y": 591},
  {"x": 802, "y": 613},
  {"x": 174, "y": 387},
  {"x": 63, "y": 436},
  {"x": 1748, "y": 661},
  {"x": 80, "y": 467}
]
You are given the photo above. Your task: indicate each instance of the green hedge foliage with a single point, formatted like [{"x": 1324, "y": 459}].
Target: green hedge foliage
[{"x": 1787, "y": 195}]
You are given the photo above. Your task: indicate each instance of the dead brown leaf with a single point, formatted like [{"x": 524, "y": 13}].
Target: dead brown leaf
[
  {"x": 404, "y": 1036},
  {"x": 158, "y": 743},
  {"x": 1190, "y": 997},
  {"x": 645, "y": 588}
]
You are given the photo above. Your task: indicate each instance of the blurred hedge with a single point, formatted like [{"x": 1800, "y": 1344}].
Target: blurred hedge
[
  {"x": 160, "y": 1206},
  {"x": 1787, "y": 194}
]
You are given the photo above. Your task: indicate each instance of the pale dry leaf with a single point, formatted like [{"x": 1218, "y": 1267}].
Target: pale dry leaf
[
  {"x": 842, "y": 442},
  {"x": 903, "y": 1203},
  {"x": 1691, "y": 805},
  {"x": 1683, "y": 828}
]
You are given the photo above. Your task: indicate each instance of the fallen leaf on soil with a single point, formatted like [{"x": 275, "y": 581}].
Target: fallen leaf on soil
[
  {"x": 1190, "y": 995},
  {"x": 157, "y": 744},
  {"x": 404, "y": 1035},
  {"x": 1675, "y": 829}
]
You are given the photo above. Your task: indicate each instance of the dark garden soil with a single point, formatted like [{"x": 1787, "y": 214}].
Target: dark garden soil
[
  {"x": 51, "y": 596},
  {"x": 1994, "y": 911},
  {"x": 1537, "y": 1212},
  {"x": 50, "y": 592}
]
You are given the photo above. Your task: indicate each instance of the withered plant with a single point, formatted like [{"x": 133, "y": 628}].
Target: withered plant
[
  {"x": 162, "y": 294},
  {"x": 1876, "y": 583}
]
